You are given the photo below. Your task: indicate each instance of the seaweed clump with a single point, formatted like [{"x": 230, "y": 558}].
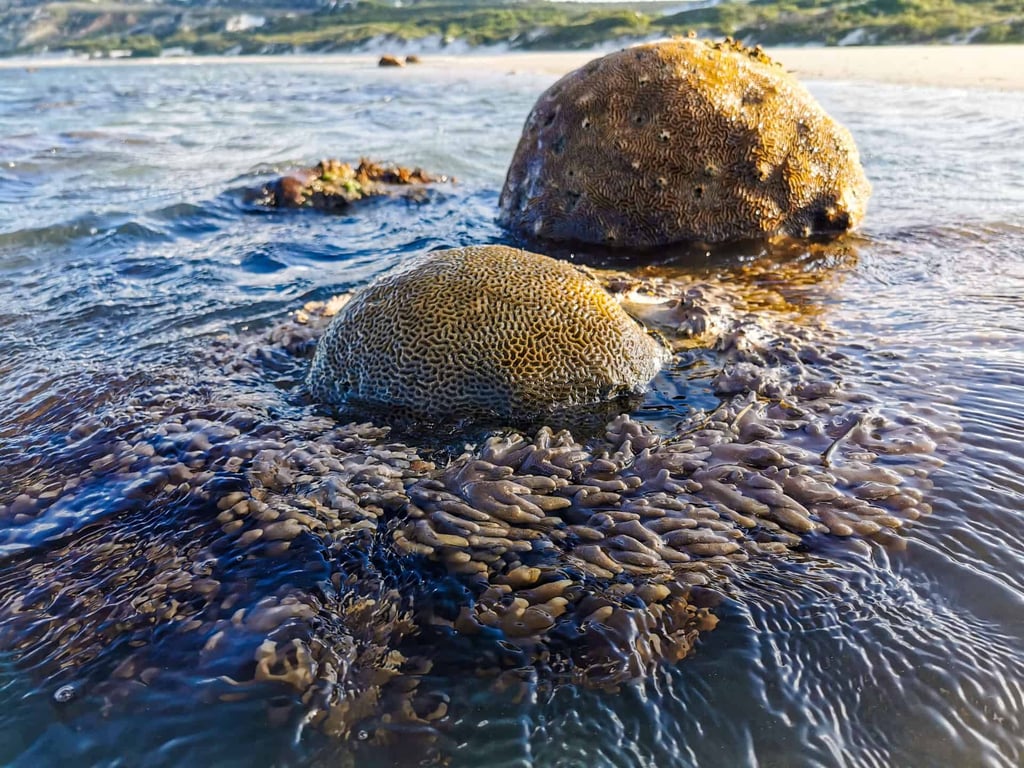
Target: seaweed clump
[
  {"x": 332, "y": 185},
  {"x": 688, "y": 140}
]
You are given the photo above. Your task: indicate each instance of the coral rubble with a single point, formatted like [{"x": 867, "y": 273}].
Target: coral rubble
[{"x": 334, "y": 185}]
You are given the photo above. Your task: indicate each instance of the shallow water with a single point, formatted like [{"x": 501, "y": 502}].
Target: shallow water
[{"x": 126, "y": 249}]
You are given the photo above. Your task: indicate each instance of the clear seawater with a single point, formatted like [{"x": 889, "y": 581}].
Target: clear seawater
[{"x": 126, "y": 246}]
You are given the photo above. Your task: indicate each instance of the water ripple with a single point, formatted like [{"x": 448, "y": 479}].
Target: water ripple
[{"x": 127, "y": 247}]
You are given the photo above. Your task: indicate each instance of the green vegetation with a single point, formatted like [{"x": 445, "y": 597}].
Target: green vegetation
[
  {"x": 867, "y": 22},
  {"x": 99, "y": 28},
  {"x": 519, "y": 25},
  {"x": 139, "y": 46}
]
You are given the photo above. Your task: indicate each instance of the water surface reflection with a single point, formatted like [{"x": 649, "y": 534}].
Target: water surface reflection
[{"x": 127, "y": 253}]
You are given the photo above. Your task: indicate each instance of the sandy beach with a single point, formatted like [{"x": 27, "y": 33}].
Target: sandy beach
[
  {"x": 974, "y": 66},
  {"x": 960, "y": 66},
  {"x": 949, "y": 66}
]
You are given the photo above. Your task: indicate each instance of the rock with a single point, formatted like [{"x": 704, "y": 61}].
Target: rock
[
  {"x": 686, "y": 140},
  {"x": 485, "y": 330},
  {"x": 334, "y": 185},
  {"x": 389, "y": 60}
]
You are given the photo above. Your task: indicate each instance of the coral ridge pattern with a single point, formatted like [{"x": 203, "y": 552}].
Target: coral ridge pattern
[{"x": 483, "y": 330}]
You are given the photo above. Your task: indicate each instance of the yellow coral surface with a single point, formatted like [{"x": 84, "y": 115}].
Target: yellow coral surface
[
  {"x": 686, "y": 140},
  {"x": 484, "y": 329}
]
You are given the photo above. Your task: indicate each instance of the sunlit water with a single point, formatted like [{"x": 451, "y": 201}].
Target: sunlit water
[{"x": 126, "y": 247}]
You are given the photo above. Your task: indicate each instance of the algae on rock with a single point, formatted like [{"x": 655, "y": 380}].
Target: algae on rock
[{"x": 334, "y": 185}]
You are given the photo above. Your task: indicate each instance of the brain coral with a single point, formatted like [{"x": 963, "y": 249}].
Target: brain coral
[
  {"x": 483, "y": 330},
  {"x": 677, "y": 141}
]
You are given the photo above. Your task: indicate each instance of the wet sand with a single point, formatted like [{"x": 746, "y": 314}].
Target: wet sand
[{"x": 976, "y": 66}]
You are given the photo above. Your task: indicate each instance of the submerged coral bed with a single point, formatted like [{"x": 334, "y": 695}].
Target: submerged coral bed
[{"x": 261, "y": 545}]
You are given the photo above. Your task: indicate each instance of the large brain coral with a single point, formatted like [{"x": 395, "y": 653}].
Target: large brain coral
[
  {"x": 680, "y": 141},
  {"x": 483, "y": 330}
]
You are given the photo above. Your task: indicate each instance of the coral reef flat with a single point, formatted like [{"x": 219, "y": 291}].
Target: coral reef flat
[
  {"x": 582, "y": 560},
  {"x": 801, "y": 545}
]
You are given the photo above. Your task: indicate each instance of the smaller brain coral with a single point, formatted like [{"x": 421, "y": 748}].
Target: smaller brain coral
[
  {"x": 484, "y": 330},
  {"x": 681, "y": 141}
]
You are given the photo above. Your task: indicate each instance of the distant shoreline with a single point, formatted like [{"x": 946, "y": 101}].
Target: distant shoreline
[{"x": 995, "y": 67}]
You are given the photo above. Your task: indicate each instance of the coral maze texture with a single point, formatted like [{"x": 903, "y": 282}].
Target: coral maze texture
[{"x": 532, "y": 334}]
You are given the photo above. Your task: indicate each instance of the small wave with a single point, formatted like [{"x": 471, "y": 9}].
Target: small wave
[{"x": 91, "y": 228}]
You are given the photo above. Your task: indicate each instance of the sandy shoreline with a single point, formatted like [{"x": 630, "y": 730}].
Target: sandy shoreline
[
  {"x": 997, "y": 67},
  {"x": 950, "y": 66}
]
